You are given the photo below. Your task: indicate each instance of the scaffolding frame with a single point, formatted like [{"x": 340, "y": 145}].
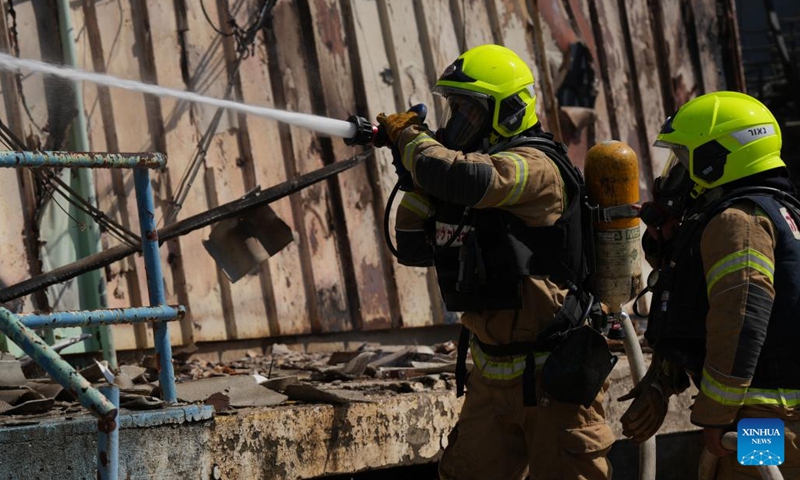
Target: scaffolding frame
[{"x": 103, "y": 403}]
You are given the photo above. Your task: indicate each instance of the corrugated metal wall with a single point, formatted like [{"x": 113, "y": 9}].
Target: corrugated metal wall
[{"x": 332, "y": 58}]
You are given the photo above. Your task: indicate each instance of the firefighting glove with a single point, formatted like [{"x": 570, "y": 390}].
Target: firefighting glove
[
  {"x": 651, "y": 399},
  {"x": 390, "y": 128},
  {"x": 395, "y": 124}
]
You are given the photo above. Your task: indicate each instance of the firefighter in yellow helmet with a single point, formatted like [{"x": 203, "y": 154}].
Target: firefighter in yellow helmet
[
  {"x": 494, "y": 204},
  {"x": 725, "y": 243}
]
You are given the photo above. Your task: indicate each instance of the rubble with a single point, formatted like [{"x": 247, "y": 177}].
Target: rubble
[{"x": 282, "y": 376}]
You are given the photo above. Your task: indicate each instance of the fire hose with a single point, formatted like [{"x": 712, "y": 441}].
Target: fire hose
[{"x": 708, "y": 462}]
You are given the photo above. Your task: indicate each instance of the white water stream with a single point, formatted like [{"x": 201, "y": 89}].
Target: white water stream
[{"x": 323, "y": 125}]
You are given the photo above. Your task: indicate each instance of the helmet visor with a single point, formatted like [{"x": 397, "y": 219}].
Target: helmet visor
[
  {"x": 465, "y": 121},
  {"x": 675, "y": 174}
]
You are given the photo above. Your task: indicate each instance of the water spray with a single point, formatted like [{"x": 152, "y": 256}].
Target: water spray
[{"x": 356, "y": 131}]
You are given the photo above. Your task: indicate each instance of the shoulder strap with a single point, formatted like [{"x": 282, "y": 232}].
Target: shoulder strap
[{"x": 701, "y": 219}]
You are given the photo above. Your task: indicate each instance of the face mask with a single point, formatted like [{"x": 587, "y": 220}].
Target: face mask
[
  {"x": 671, "y": 193},
  {"x": 465, "y": 123}
]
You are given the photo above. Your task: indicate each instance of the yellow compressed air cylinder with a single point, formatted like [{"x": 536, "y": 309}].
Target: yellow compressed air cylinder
[{"x": 612, "y": 179}]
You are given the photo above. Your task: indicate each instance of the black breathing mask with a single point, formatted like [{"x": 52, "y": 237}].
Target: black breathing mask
[{"x": 672, "y": 192}]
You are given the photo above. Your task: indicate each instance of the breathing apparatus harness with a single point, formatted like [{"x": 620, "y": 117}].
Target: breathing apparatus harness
[
  {"x": 662, "y": 279},
  {"x": 564, "y": 252}
]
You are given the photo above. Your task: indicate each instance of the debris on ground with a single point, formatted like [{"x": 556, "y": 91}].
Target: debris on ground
[{"x": 282, "y": 376}]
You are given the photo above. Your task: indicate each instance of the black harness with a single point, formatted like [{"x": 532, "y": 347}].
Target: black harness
[
  {"x": 676, "y": 324},
  {"x": 488, "y": 252}
]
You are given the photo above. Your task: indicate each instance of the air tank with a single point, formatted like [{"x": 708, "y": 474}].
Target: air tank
[{"x": 612, "y": 180}]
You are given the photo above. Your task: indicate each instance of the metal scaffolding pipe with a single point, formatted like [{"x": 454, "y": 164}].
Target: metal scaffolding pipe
[
  {"x": 59, "y": 369},
  {"x": 82, "y": 159},
  {"x": 155, "y": 280},
  {"x": 108, "y": 442},
  {"x": 161, "y": 313}
]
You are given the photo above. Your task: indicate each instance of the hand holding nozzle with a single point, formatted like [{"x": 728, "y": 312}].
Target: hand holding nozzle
[
  {"x": 386, "y": 133},
  {"x": 388, "y": 128}
]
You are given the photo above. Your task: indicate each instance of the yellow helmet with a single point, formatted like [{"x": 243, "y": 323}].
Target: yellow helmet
[
  {"x": 722, "y": 137},
  {"x": 489, "y": 89}
]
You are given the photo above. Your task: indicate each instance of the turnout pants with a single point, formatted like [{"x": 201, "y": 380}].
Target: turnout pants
[{"x": 498, "y": 438}]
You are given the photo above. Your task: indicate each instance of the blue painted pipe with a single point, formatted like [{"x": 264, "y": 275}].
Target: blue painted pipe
[
  {"x": 82, "y": 159},
  {"x": 58, "y": 368},
  {"x": 155, "y": 280},
  {"x": 108, "y": 442},
  {"x": 161, "y": 313}
]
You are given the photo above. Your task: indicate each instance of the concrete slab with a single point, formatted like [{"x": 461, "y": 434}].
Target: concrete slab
[{"x": 283, "y": 442}]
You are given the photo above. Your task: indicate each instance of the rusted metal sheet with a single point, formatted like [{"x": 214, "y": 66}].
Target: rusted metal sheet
[
  {"x": 471, "y": 18},
  {"x": 282, "y": 275},
  {"x": 243, "y": 306},
  {"x": 175, "y": 286},
  {"x": 707, "y": 28},
  {"x": 437, "y": 35},
  {"x": 616, "y": 72},
  {"x": 19, "y": 197},
  {"x": 181, "y": 134},
  {"x": 328, "y": 305},
  {"x": 648, "y": 57},
  {"x": 122, "y": 124},
  {"x": 411, "y": 85},
  {"x": 378, "y": 79},
  {"x": 122, "y": 282},
  {"x": 601, "y": 129},
  {"x": 678, "y": 74},
  {"x": 646, "y": 89},
  {"x": 512, "y": 24},
  {"x": 363, "y": 249}
]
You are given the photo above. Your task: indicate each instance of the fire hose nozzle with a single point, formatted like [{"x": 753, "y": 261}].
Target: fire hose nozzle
[{"x": 365, "y": 134}]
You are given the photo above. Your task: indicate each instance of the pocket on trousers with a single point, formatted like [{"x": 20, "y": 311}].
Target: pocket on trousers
[{"x": 587, "y": 439}]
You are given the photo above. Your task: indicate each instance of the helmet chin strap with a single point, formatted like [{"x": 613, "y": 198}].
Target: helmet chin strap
[{"x": 697, "y": 190}]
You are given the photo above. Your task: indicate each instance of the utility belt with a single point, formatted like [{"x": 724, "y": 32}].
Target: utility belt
[{"x": 573, "y": 357}]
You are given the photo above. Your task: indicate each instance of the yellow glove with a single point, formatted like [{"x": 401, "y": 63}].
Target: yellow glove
[
  {"x": 395, "y": 124},
  {"x": 651, "y": 399}
]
